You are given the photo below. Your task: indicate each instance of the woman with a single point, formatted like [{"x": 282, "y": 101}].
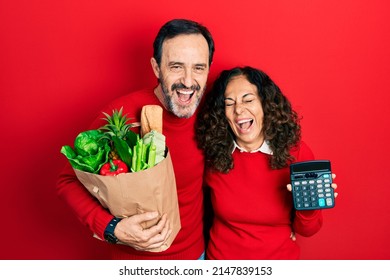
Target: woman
[{"x": 250, "y": 134}]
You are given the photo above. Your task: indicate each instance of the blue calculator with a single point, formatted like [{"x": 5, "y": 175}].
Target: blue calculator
[{"x": 311, "y": 183}]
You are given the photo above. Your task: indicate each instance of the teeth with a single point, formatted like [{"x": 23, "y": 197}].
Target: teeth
[
  {"x": 245, "y": 124},
  {"x": 244, "y": 121},
  {"x": 185, "y": 92},
  {"x": 184, "y": 96}
]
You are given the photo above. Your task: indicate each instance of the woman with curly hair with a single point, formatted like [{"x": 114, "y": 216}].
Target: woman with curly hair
[{"x": 250, "y": 134}]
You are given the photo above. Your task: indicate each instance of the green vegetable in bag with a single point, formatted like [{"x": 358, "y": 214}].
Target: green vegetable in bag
[{"x": 90, "y": 151}]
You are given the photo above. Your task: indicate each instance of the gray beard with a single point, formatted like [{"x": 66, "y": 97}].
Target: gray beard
[{"x": 177, "y": 110}]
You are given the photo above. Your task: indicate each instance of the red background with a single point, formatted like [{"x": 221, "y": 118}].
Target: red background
[{"x": 61, "y": 61}]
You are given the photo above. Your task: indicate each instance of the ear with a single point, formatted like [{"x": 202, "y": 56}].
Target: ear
[{"x": 155, "y": 67}]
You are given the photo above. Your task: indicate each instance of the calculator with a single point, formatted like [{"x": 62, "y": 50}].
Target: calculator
[{"x": 311, "y": 183}]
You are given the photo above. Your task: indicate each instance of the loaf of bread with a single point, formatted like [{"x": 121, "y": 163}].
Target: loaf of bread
[{"x": 151, "y": 119}]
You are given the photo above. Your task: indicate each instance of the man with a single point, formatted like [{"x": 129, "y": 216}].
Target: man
[{"x": 183, "y": 52}]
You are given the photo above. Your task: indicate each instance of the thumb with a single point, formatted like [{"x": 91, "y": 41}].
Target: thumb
[{"x": 147, "y": 216}]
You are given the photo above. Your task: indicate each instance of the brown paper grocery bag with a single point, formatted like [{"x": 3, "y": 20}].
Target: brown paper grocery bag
[{"x": 126, "y": 194}]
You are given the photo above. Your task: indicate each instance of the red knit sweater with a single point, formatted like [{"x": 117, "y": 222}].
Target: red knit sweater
[
  {"x": 188, "y": 164},
  {"x": 253, "y": 210}
]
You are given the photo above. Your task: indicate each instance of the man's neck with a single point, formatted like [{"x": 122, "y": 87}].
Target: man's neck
[{"x": 160, "y": 95}]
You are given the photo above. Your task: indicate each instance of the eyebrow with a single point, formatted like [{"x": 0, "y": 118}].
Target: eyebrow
[
  {"x": 201, "y": 64},
  {"x": 175, "y": 63},
  {"x": 181, "y": 63}
]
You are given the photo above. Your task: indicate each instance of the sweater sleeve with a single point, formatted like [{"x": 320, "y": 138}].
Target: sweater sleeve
[
  {"x": 308, "y": 222},
  {"x": 87, "y": 209}
]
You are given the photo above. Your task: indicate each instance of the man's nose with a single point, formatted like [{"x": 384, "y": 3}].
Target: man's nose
[{"x": 187, "y": 78}]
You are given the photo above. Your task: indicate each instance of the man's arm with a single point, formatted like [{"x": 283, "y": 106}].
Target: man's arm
[{"x": 92, "y": 214}]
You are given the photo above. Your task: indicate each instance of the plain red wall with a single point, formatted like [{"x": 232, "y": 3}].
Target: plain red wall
[{"x": 61, "y": 61}]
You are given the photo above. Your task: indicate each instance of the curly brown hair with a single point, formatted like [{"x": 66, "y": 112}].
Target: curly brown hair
[{"x": 281, "y": 127}]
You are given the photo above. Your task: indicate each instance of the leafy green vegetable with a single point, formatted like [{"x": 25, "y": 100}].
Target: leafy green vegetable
[
  {"x": 89, "y": 153},
  {"x": 123, "y": 150}
]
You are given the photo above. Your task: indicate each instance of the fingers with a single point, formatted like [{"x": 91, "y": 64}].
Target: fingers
[
  {"x": 160, "y": 238},
  {"x": 289, "y": 187},
  {"x": 334, "y": 186},
  {"x": 154, "y": 238},
  {"x": 133, "y": 234},
  {"x": 156, "y": 229},
  {"x": 144, "y": 217},
  {"x": 292, "y": 236}
]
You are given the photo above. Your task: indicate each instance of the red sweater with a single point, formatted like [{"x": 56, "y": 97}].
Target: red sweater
[
  {"x": 253, "y": 210},
  {"x": 188, "y": 164}
]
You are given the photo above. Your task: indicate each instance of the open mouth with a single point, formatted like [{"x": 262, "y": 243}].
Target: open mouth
[
  {"x": 184, "y": 95},
  {"x": 244, "y": 124}
]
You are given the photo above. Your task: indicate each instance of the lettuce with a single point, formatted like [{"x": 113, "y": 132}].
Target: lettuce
[{"x": 90, "y": 151}]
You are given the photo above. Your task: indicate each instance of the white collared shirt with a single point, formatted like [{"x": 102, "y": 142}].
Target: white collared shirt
[{"x": 264, "y": 148}]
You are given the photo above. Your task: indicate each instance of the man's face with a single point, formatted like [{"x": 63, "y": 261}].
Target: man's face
[{"x": 182, "y": 73}]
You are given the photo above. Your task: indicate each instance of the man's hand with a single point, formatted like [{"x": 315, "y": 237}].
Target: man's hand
[{"x": 130, "y": 231}]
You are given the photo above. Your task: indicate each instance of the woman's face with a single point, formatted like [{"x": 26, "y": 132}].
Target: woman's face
[{"x": 244, "y": 112}]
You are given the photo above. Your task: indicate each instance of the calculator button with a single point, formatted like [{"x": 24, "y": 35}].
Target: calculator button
[
  {"x": 313, "y": 192},
  {"x": 321, "y": 202}
]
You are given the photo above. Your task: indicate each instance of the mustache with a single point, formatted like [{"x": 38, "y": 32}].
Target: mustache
[{"x": 182, "y": 86}]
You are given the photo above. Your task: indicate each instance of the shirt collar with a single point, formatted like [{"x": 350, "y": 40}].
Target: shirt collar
[{"x": 264, "y": 148}]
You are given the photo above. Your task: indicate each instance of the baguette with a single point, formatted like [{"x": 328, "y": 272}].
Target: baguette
[{"x": 151, "y": 119}]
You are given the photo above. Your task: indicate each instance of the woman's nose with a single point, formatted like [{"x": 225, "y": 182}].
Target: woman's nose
[{"x": 239, "y": 108}]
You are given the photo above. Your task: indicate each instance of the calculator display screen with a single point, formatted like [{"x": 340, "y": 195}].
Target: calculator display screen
[{"x": 311, "y": 166}]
